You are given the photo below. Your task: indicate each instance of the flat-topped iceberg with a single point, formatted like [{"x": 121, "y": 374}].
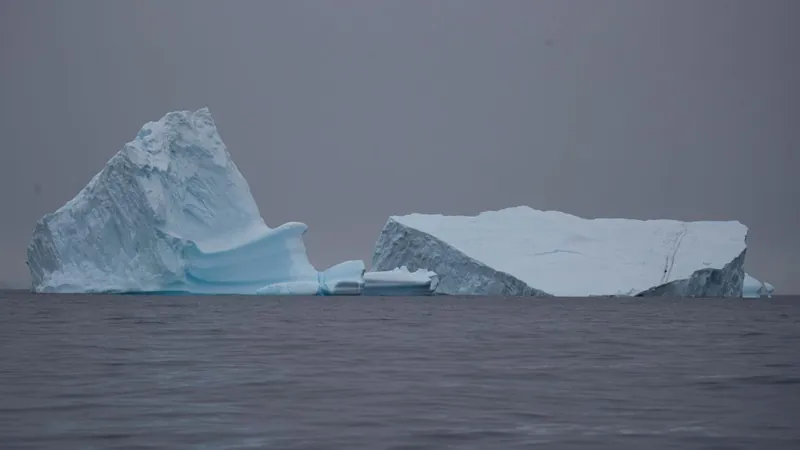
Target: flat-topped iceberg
[
  {"x": 171, "y": 212},
  {"x": 400, "y": 281},
  {"x": 753, "y": 288},
  {"x": 524, "y": 251}
]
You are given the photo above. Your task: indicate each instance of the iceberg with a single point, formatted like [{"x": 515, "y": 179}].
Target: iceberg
[
  {"x": 400, "y": 281},
  {"x": 171, "y": 212},
  {"x": 753, "y": 288},
  {"x": 522, "y": 251},
  {"x": 345, "y": 278}
]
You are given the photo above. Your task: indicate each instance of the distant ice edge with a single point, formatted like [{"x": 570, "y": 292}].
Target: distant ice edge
[{"x": 460, "y": 274}]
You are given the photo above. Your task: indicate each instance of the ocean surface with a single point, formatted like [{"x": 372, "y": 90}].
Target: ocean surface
[{"x": 130, "y": 372}]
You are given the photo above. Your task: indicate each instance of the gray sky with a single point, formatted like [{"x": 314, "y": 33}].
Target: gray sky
[{"x": 342, "y": 113}]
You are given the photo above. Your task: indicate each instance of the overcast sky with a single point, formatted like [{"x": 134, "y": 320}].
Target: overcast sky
[{"x": 341, "y": 113}]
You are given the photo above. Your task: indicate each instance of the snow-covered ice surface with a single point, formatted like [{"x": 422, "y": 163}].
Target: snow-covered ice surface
[
  {"x": 523, "y": 251},
  {"x": 171, "y": 212},
  {"x": 400, "y": 281},
  {"x": 753, "y": 288}
]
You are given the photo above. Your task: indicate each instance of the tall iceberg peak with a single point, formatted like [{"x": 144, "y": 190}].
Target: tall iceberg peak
[
  {"x": 524, "y": 251},
  {"x": 170, "y": 212}
]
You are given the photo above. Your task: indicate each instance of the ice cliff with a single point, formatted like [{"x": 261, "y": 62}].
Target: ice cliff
[
  {"x": 171, "y": 212},
  {"x": 523, "y": 251}
]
